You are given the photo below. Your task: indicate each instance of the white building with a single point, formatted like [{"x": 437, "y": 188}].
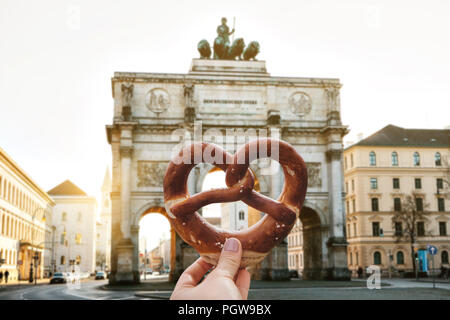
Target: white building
[
  {"x": 25, "y": 222},
  {"x": 103, "y": 239},
  {"x": 74, "y": 219},
  {"x": 234, "y": 216}
]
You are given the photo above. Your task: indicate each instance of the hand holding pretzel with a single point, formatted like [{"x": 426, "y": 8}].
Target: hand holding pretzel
[{"x": 260, "y": 238}]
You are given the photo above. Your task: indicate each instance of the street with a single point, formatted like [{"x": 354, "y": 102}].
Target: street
[{"x": 91, "y": 290}]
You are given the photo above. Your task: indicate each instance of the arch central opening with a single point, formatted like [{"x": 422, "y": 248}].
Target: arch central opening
[{"x": 155, "y": 246}]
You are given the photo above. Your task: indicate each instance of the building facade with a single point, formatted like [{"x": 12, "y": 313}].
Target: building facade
[
  {"x": 25, "y": 223},
  {"x": 74, "y": 219},
  {"x": 380, "y": 172}
]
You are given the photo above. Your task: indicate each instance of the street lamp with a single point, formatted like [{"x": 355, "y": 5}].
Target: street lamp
[{"x": 34, "y": 253}]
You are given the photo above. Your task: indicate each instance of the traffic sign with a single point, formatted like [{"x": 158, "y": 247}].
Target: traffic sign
[{"x": 432, "y": 249}]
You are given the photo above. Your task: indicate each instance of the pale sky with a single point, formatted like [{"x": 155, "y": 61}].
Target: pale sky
[{"x": 58, "y": 57}]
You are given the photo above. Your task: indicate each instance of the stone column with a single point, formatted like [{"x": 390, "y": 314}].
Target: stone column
[
  {"x": 337, "y": 244},
  {"x": 125, "y": 190},
  {"x": 125, "y": 249}
]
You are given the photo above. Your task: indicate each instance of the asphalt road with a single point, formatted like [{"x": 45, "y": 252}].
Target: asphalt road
[
  {"x": 91, "y": 290},
  {"x": 88, "y": 290}
]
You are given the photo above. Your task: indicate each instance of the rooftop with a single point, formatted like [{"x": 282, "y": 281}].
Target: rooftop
[
  {"x": 397, "y": 136},
  {"x": 67, "y": 188}
]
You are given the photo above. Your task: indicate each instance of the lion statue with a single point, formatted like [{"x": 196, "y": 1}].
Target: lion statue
[
  {"x": 204, "y": 49},
  {"x": 236, "y": 49},
  {"x": 251, "y": 51},
  {"x": 221, "y": 48}
]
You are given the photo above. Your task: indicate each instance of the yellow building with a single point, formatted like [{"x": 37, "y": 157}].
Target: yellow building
[
  {"x": 25, "y": 223},
  {"x": 380, "y": 171}
]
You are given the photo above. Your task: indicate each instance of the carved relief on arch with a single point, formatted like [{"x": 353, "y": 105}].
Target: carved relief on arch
[
  {"x": 151, "y": 173},
  {"x": 157, "y": 100},
  {"x": 300, "y": 103},
  {"x": 314, "y": 174}
]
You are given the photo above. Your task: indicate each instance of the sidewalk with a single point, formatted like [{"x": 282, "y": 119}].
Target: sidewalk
[{"x": 12, "y": 285}]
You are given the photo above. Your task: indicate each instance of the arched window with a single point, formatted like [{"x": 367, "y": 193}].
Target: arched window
[
  {"x": 444, "y": 257},
  {"x": 400, "y": 258},
  {"x": 63, "y": 260},
  {"x": 437, "y": 159},
  {"x": 394, "y": 158},
  {"x": 416, "y": 159},
  {"x": 377, "y": 258},
  {"x": 372, "y": 159}
]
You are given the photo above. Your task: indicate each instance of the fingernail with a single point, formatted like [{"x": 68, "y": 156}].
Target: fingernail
[{"x": 231, "y": 245}]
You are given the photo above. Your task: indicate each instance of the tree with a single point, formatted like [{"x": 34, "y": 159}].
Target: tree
[
  {"x": 100, "y": 258},
  {"x": 411, "y": 212}
]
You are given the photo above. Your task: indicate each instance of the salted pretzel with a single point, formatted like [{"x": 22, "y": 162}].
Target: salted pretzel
[{"x": 259, "y": 239}]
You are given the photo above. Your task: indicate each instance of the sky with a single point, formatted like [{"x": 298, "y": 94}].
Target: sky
[{"x": 58, "y": 57}]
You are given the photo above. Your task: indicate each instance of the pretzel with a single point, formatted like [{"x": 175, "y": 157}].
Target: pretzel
[{"x": 259, "y": 239}]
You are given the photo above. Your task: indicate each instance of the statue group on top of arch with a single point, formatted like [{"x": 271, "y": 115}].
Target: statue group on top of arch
[{"x": 222, "y": 48}]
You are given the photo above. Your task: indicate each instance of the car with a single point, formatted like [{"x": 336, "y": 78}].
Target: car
[
  {"x": 100, "y": 275},
  {"x": 149, "y": 271},
  {"x": 293, "y": 274},
  {"x": 58, "y": 277}
]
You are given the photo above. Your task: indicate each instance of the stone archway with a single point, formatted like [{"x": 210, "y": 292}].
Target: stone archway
[
  {"x": 237, "y": 96},
  {"x": 173, "y": 251},
  {"x": 312, "y": 244}
]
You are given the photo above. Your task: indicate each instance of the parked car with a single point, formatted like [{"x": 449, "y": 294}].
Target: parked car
[
  {"x": 149, "y": 271},
  {"x": 293, "y": 273},
  {"x": 58, "y": 277},
  {"x": 100, "y": 275}
]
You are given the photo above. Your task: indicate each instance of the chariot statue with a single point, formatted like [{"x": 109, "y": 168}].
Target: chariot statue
[{"x": 223, "y": 50}]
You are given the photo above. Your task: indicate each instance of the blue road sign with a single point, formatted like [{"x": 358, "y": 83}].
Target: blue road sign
[{"x": 432, "y": 249}]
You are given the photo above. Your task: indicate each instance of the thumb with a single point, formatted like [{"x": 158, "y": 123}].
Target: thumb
[{"x": 230, "y": 258}]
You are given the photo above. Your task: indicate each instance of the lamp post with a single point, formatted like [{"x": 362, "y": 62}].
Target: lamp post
[{"x": 34, "y": 254}]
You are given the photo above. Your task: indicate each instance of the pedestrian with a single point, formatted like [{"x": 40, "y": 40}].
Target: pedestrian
[
  {"x": 6, "y": 276},
  {"x": 360, "y": 272},
  {"x": 1, "y": 276}
]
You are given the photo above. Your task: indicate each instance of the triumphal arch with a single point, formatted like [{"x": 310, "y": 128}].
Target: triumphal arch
[{"x": 227, "y": 102}]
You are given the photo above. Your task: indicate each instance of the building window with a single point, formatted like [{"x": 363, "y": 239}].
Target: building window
[
  {"x": 63, "y": 238},
  {"x": 354, "y": 205},
  {"x": 354, "y": 229},
  {"x": 64, "y": 216},
  {"x": 241, "y": 215},
  {"x": 420, "y": 229},
  {"x": 376, "y": 258},
  {"x": 394, "y": 158},
  {"x": 346, "y": 187},
  {"x": 444, "y": 257},
  {"x": 351, "y": 258},
  {"x": 437, "y": 159},
  {"x": 398, "y": 229},
  {"x": 396, "y": 183},
  {"x": 442, "y": 228},
  {"x": 80, "y": 216},
  {"x": 400, "y": 258},
  {"x": 351, "y": 160},
  {"x": 419, "y": 204},
  {"x": 357, "y": 258},
  {"x": 345, "y": 163},
  {"x": 375, "y": 204},
  {"x": 372, "y": 159},
  {"x": 397, "y": 204},
  {"x": 375, "y": 229},
  {"x": 441, "y": 204},
  {"x": 347, "y": 204},
  {"x": 63, "y": 260},
  {"x": 416, "y": 159},
  {"x": 418, "y": 183},
  {"x": 440, "y": 183},
  {"x": 78, "y": 238},
  {"x": 78, "y": 260},
  {"x": 373, "y": 183}
]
